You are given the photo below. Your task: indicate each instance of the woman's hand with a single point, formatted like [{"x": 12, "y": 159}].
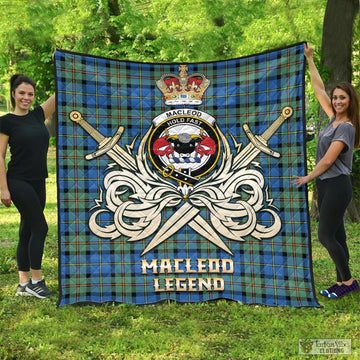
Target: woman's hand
[
  {"x": 300, "y": 180},
  {"x": 308, "y": 51},
  {"x": 6, "y": 198}
]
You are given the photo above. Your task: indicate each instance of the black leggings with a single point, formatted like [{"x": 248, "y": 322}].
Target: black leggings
[
  {"x": 29, "y": 198},
  {"x": 334, "y": 195}
]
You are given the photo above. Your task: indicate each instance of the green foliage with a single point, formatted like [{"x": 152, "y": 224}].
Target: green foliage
[
  {"x": 355, "y": 176},
  {"x": 142, "y": 30},
  {"x": 283, "y": 23},
  {"x": 25, "y": 41},
  {"x": 162, "y": 30},
  {"x": 7, "y": 259},
  {"x": 52, "y": 141},
  {"x": 159, "y": 31},
  {"x": 356, "y": 58},
  {"x": 311, "y": 156}
]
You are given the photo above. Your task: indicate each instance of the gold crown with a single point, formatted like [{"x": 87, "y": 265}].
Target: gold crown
[{"x": 183, "y": 89}]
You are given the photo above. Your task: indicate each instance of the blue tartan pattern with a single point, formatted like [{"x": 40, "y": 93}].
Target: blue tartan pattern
[{"x": 253, "y": 90}]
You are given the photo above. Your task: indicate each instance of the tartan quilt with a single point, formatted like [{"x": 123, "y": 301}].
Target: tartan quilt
[{"x": 174, "y": 180}]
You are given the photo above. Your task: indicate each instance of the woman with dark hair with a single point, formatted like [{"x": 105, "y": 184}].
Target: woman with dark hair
[
  {"x": 333, "y": 166},
  {"x": 23, "y": 183}
]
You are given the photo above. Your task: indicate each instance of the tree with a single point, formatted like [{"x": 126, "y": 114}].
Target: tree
[
  {"x": 159, "y": 31},
  {"x": 284, "y": 22},
  {"x": 143, "y": 30},
  {"x": 25, "y": 42}
]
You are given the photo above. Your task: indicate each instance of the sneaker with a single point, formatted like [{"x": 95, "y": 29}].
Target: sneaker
[
  {"x": 20, "y": 291},
  {"x": 344, "y": 290},
  {"x": 330, "y": 290},
  {"x": 39, "y": 290}
]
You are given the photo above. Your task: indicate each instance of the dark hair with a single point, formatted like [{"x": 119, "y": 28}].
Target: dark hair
[
  {"x": 353, "y": 110},
  {"x": 15, "y": 81}
]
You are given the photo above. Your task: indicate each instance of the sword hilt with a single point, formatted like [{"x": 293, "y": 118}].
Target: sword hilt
[
  {"x": 260, "y": 141},
  {"x": 286, "y": 112},
  {"x": 76, "y": 117},
  {"x": 105, "y": 144}
]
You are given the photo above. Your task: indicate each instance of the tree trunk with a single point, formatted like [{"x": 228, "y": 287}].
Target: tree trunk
[
  {"x": 337, "y": 40},
  {"x": 314, "y": 211},
  {"x": 336, "y": 57},
  {"x": 114, "y": 10}
]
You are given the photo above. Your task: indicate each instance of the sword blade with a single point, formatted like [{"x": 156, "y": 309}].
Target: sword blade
[
  {"x": 176, "y": 221},
  {"x": 246, "y": 156},
  {"x": 186, "y": 215},
  {"x": 125, "y": 160},
  {"x": 201, "y": 226}
]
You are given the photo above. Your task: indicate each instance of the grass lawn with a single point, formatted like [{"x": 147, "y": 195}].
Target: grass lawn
[{"x": 36, "y": 329}]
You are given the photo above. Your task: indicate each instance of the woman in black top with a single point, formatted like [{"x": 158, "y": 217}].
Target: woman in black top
[{"x": 23, "y": 184}]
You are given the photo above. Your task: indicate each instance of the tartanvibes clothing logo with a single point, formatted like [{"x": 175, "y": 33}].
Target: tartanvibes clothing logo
[{"x": 324, "y": 346}]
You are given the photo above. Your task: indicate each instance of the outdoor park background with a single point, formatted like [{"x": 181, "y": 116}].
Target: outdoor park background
[{"x": 172, "y": 31}]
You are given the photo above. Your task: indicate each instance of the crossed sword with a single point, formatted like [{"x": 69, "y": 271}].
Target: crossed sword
[{"x": 187, "y": 214}]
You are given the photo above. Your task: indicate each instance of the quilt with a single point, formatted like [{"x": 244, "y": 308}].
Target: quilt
[{"x": 174, "y": 180}]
